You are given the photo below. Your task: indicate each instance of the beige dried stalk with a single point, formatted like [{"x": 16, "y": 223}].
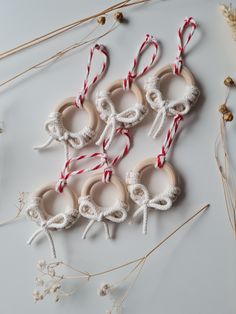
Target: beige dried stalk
[
  {"x": 51, "y": 280},
  {"x": 230, "y": 15},
  {"x": 70, "y": 26},
  {"x": 224, "y": 163}
]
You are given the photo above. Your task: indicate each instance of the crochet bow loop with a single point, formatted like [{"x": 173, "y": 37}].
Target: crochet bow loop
[
  {"x": 57, "y": 222},
  {"x": 91, "y": 211},
  {"x": 113, "y": 119},
  {"x": 139, "y": 194}
]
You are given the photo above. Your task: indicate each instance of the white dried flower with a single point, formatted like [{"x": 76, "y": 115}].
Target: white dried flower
[
  {"x": 55, "y": 286},
  {"x": 41, "y": 264},
  {"x": 51, "y": 271},
  {"x": 57, "y": 298},
  {"x": 39, "y": 281},
  {"x": 104, "y": 290},
  {"x": 37, "y": 296}
]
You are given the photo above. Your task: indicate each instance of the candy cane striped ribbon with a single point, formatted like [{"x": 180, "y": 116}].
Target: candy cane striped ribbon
[
  {"x": 188, "y": 22},
  {"x": 161, "y": 158},
  {"x": 66, "y": 174},
  {"x": 108, "y": 170},
  {"x": 133, "y": 74},
  {"x": 103, "y": 156},
  {"x": 86, "y": 85}
]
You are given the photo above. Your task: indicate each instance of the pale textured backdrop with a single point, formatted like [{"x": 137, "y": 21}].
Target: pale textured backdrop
[{"x": 194, "y": 272}]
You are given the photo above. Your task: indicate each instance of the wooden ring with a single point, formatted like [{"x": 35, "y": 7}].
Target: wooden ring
[
  {"x": 185, "y": 73},
  {"x": 72, "y": 201},
  {"x": 118, "y": 84},
  {"x": 182, "y": 105},
  {"x": 87, "y": 106},
  {"x": 169, "y": 170},
  {"x": 115, "y": 180},
  {"x": 140, "y": 107}
]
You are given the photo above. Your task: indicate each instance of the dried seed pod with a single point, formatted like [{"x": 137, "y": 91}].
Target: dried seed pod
[
  {"x": 228, "y": 116},
  {"x": 223, "y": 108},
  {"x": 229, "y": 81},
  {"x": 101, "y": 20},
  {"x": 118, "y": 16}
]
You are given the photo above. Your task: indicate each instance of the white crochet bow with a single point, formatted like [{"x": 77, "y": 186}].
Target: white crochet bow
[
  {"x": 139, "y": 194},
  {"x": 126, "y": 118},
  {"x": 166, "y": 107},
  {"x": 57, "y": 222},
  {"x": 56, "y": 130},
  {"x": 88, "y": 209}
]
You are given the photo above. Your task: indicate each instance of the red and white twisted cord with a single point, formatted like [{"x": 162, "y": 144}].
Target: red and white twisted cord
[
  {"x": 188, "y": 22},
  {"x": 104, "y": 163},
  {"x": 108, "y": 170},
  {"x": 86, "y": 85},
  {"x": 133, "y": 74},
  {"x": 161, "y": 158}
]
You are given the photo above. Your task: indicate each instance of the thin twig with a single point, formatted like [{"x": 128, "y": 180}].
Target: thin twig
[
  {"x": 60, "y": 54},
  {"x": 60, "y": 30},
  {"x": 155, "y": 247}
]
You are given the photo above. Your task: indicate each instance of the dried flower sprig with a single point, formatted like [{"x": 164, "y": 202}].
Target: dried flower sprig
[
  {"x": 230, "y": 15},
  {"x": 86, "y": 40},
  {"x": 49, "y": 283},
  {"x": 21, "y": 202},
  {"x": 51, "y": 277},
  {"x": 118, "y": 17},
  {"x": 223, "y": 159}
]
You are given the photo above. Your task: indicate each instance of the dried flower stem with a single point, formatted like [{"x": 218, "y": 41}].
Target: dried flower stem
[
  {"x": 56, "y": 279},
  {"x": 230, "y": 15},
  {"x": 20, "y": 206},
  {"x": 51, "y": 34},
  {"x": 227, "y": 174},
  {"x": 84, "y": 41},
  {"x": 117, "y": 304}
]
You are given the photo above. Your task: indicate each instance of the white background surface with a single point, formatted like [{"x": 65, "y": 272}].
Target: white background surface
[{"x": 195, "y": 271}]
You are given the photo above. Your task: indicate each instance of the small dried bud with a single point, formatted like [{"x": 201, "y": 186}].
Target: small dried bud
[
  {"x": 39, "y": 281},
  {"x": 223, "y": 109},
  {"x": 228, "y": 116},
  {"x": 104, "y": 290},
  {"x": 37, "y": 296},
  {"x": 56, "y": 286},
  {"x": 101, "y": 20},
  {"x": 1, "y": 127},
  {"x": 51, "y": 271},
  {"x": 119, "y": 17},
  {"x": 41, "y": 264},
  {"x": 229, "y": 81}
]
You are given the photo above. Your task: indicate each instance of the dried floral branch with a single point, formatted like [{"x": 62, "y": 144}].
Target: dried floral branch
[
  {"x": 51, "y": 280},
  {"x": 83, "y": 42},
  {"x": 230, "y": 15},
  {"x": 60, "y": 30},
  {"x": 227, "y": 173},
  {"x": 22, "y": 199}
]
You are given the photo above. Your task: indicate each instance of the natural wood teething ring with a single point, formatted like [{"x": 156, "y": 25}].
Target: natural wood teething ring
[
  {"x": 69, "y": 194},
  {"x": 58, "y": 132},
  {"x": 175, "y": 106},
  {"x": 37, "y": 211},
  {"x": 87, "y": 106},
  {"x": 185, "y": 73},
  {"x": 167, "y": 167},
  {"x": 164, "y": 107},
  {"x": 127, "y": 118},
  {"x": 116, "y": 213},
  {"x": 140, "y": 195},
  {"x": 92, "y": 180},
  {"x": 118, "y": 84},
  {"x": 47, "y": 222}
]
